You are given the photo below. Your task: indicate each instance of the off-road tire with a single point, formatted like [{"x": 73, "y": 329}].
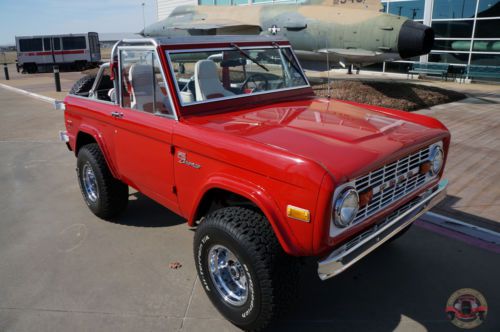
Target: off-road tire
[
  {"x": 112, "y": 194},
  {"x": 272, "y": 275},
  {"x": 83, "y": 85}
]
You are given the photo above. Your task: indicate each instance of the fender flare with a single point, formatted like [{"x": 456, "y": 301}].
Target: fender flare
[
  {"x": 262, "y": 200},
  {"x": 96, "y": 134}
]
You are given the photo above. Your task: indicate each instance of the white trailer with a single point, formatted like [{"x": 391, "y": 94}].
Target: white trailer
[{"x": 78, "y": 51}]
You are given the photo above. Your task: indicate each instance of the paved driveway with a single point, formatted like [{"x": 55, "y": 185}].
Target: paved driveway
[{"x": 62, "y": 269}]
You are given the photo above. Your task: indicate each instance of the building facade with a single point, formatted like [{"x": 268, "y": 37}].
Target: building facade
[{"x": 467, "y": 31}]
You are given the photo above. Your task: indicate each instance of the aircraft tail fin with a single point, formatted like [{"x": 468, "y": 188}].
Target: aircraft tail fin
[{"x": 375, "y": 5}]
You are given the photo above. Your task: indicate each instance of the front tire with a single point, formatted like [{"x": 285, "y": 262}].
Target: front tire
[
  {"x": 243, "y": 268},
  {"x": 105, "y": 196}
]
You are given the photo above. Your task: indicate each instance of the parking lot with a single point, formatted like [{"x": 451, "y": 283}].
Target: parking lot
[{"x": 62, "y": 269}]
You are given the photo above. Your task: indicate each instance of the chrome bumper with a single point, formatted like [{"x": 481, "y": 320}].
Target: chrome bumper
[{"x": 348, "y": 254}]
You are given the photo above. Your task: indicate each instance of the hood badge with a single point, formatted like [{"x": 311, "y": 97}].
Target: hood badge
[{"x": 183, "y": 160}]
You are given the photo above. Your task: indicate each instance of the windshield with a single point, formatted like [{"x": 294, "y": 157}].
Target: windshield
[{"x": 203, "y": 76}]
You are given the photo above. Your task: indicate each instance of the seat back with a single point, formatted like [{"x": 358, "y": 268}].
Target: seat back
[
  {"x": 207, "y": 83},
  {"x": 142, "y": 78}
]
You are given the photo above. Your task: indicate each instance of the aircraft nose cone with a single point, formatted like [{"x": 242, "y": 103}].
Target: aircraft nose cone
[{"x": 415, "y": 39}]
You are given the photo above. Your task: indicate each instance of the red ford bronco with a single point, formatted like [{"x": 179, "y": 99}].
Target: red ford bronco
[{"x": 226, "y": 132}]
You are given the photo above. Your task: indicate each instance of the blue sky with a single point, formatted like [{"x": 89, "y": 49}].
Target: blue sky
[{"x": 34, "y": 17}]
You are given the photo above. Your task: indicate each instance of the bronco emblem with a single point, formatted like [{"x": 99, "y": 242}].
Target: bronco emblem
[{"x": 183, "y": 160}]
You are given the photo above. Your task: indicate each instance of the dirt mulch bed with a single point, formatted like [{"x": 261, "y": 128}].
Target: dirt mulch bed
[{"x": 397, "y": 95}]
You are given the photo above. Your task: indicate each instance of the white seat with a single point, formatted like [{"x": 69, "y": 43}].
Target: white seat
[
  {"x": 141, "y": 78},
  {"x": 207, "y": 83}
]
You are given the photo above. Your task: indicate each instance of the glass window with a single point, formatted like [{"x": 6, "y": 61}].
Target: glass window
[
  {"x": 30, "y": 45},
  {"x": 452, "y": 45},
  {"x": 143, "y": 87},
  {"x": 410, "y": 9},
  {"x": 240, "y": 2},
  {"x": 488, "y": 8},
  {"x": 57, "y": 43},
  {"x": 223, "y": 2},
  {"x": 226, "y": 73},
  {"x": 464, "y": 45},
  {"x": 486, "y": 60},
  {"x": 487, "y": 29},
  {"x": 74, "y": 43},
  {"x": 454, "y": 9},
  {"x": 384, "y": 7},
  {"x": 205, "y": 2},
  {"x": 453, "y": 29},
  {"x": 46, "y": 44},
  {"x": 487, "y": 46},
  {"x": 460, "y": 58}
]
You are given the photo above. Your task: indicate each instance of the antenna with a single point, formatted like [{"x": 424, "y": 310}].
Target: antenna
[{"x": 328, "y": 68}]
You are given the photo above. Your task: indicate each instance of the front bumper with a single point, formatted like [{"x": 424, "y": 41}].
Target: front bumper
[{"x": 351, "y": 252}]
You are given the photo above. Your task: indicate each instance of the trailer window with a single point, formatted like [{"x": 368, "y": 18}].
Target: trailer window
[
  {"x": 74, "y": 43},
  {"x": 57, "y": 43},
  {"x": 46, "y": 44},
  {"x": 30, "y": 45}
]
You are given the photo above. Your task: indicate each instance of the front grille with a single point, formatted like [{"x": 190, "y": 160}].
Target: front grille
[
  {"x": 387, "y": 174},
  {"x": 386, "y": 221}
]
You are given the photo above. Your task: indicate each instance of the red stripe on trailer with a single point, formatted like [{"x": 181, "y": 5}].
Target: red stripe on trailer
[{"x": 55, "y": 53}]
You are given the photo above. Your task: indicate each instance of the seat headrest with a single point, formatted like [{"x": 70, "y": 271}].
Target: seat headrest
[
  {"x": 140, "y": 72},
  {"x": 206, "y": 69}
]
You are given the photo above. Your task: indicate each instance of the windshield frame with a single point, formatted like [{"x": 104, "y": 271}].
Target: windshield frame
[{"x": 168, "y": 52}]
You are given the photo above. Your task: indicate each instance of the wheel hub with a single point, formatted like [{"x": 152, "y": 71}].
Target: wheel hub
[
  {"x": 228, "y": 275},
  {"x": 90, "y": 183}
]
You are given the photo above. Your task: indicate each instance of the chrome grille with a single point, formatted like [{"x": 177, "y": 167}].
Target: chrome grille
[
  {"x": 388, "y": 173},
  {"x": 387, "y": 220}
]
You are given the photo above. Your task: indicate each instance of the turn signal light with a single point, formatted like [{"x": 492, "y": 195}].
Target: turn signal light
[
  {"x": 365, "y": 197},
  {"x": 425, "y": 167},
  {"x": 298, "y": 213}
]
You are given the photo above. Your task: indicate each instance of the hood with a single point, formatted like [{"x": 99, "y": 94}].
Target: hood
[{"x": 348, "y": 140}]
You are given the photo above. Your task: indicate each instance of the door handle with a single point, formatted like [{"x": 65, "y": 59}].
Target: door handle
[{"x": 117, "y": 115}]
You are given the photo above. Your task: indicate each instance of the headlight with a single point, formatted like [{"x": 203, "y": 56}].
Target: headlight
[
  {"x": 346, "y": 207},
  {"x": 437, "y": 158}
]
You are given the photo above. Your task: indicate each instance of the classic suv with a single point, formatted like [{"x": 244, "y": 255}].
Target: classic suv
[{"x": 226, "y": 132}]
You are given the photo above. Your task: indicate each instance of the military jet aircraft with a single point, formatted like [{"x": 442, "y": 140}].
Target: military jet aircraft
[{"x": 322, "y": 32}]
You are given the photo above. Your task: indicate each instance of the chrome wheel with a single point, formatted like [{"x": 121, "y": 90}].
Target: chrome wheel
[
  {"x": 228, "y": 275},
  {"x": 90, "y": 183}
]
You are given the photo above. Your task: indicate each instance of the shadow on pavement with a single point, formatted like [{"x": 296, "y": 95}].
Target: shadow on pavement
[
  {"x": 405, "y": 284},
  {"x": 144, "y": 212}
]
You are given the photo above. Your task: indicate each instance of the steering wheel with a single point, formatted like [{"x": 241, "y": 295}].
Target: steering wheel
[{"x": 255, "y": 79}]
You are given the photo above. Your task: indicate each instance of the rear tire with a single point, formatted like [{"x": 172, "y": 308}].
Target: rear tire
[
  {"x": 237, "y": 243},
  {"x": 105, "y": 196},
  {"x": 83, "y": 85}
]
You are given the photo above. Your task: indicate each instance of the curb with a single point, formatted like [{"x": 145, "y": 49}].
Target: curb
[
  {"x": 461, "y": 227},
  {"x": 30, "y": 94}
]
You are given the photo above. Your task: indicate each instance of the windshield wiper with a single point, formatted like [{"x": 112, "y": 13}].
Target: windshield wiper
[
  {"x": 245, "y": 54},
  {"x": 287, "y": 56}
]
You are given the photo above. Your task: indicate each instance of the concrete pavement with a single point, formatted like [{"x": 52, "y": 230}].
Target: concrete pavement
[{"x": 63, "y": 269}]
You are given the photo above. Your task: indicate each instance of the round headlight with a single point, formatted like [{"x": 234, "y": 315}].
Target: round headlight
[
  {"x": 346, "y": 207},
  {"x": 437, "y": 158}
]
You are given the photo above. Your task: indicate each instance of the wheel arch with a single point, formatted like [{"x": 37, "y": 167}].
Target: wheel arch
[
  {"x": 251, "y": 195},
  {"x": 88, "y": 135}
]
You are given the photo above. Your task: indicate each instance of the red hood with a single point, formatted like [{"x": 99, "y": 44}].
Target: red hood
[{"x": 348, "y": 140}]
